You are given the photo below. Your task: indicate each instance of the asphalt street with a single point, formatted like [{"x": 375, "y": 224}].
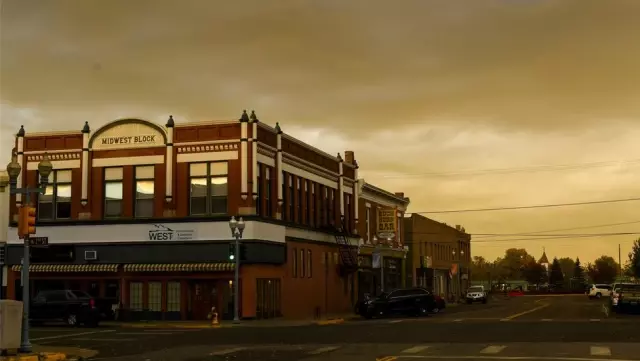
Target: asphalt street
[{"x": 550, "y": 328}]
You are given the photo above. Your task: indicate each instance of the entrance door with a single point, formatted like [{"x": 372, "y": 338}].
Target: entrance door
[{"x": 203, "y": 296}]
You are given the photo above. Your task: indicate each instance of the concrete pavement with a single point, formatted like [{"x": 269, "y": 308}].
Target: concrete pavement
[{"x": 573, "y": 327}]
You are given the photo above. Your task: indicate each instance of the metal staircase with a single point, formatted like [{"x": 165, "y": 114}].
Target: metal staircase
[{"x": 348, "y": 253}]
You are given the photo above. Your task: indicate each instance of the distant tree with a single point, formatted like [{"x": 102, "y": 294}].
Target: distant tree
[
  {"x": 556, "y": 278},
  {"x": 567, "y": 265},
  {"x": 603, "y": 270},
  {"x": 534, "y": 273},
  {"x": 633, "y": 265},
  {"x": 578, "y": 281},
  {"x": 510, "y": 266}
]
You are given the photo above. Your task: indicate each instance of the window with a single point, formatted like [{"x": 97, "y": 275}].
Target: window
[
  {"x": 285, "y": 196},
  {"x": 309, "y": 189},
  {"x": 173, "y": 296},
  {"x": 323, "y": 206},
  {"x": 300, "y": 198},
  {"x": 294, "y": 262},
  {"x": 332, "y": 206},
  {"x": 309, "y": 267},
  {"x": 303, "y": 267},
  {"x": 155, "y": 296},
  {"x": 290, "y": 198},
  {"x": 208, "y": 188},
  {"x": 113, "y": 192},
  {"x": 259, "y": 194},
  {"x": 143, "y": 206},
  {"x": 135, "y": 295},
  {"x": 368, "y": 224},
  {"x": 55, "y": 203},
  {"x": 267, "y": 191},
  {"x": 347, "y": 213}
]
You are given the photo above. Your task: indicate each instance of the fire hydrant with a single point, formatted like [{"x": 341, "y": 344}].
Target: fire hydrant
[{"x": 214, "y": 317}]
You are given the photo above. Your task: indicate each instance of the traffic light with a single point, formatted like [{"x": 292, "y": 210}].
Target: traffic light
[
  {"x": 232, "y": 251},
  {"x": 26, "y": 221}
]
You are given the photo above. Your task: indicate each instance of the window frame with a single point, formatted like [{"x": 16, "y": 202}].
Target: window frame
[
  {"x": 104, "y": 188},
  {"x": 135, "y": 190},
  {"x": 209, "y": 176}
]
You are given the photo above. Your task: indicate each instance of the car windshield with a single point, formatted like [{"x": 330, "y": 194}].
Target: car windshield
[{"x": 475, "y": 289}]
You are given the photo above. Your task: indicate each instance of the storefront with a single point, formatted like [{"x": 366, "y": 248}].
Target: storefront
[{"x": 384, "y": 274}]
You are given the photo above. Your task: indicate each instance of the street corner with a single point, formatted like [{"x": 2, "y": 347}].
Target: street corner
[
  {"x": 335, "y": 321},
  {"x": 43, "y": 356}
]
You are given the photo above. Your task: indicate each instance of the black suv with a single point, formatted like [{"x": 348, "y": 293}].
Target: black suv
[
  {"x": 69, "y": 306},
  {"x": 405, "y": 301}
]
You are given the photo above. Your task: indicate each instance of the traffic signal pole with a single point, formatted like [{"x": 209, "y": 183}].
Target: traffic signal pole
[{"x": 25, "y": 345}]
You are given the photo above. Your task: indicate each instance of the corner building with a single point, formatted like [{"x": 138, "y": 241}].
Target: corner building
[{"x": 137, "y": 214}]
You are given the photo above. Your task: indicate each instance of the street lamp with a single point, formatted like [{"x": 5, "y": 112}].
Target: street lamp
[
  {"x": 237, "y": 227},
  {"x": 13, "y": 169},
  {"x": 459, "y": 258}
]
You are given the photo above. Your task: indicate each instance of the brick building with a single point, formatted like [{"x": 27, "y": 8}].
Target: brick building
[
  {"x": 439, "y": 255},
  {"x": 138, "y": 213},
  {"x": 382, "y": 252}
]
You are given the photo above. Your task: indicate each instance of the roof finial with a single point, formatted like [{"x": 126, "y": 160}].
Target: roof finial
[
  {"x": 278, "y": 129},
  {"x": 339, "y": 157},
  {"x": 253, "y": 117},
  {"x": 170, "y": 122},
  {"x": 244, "y": 117},
  {"x": 21, "y": 131},
  {"x": 86, "y": 128}
]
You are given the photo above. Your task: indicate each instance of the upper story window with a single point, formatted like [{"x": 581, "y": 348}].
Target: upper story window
[
  {"x": 259, "y": 190},
  {"x": 347, "y": 212},
  {"x": 285, "y": 200},
  {"x": 309, "y": 188},
  {"x": 145, "y": 185},
  {"x": 368, "y": 224},
  {"x": 299, "y": 202},
  {"x": 208, "y": 188},
  {"x": 290, "y": 199},
  {"x": 113, "y": 192},
  {"x": 55, "y": 203},
  {"x": 267, "y": 191},
  {"x": 332, "y": 206}
]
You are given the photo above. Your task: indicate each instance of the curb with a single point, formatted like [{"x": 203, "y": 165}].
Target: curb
[
  {"x": 45, "y": 356},
  {"x": 335, "y": 321}
]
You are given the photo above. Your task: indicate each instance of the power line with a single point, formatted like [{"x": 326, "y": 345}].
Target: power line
[
  {"x": 530, "y": 207},
  {"x": 557, "y": 237},
  {"x": 511, "y": 170},
  {"x": 482, "y": 235}
]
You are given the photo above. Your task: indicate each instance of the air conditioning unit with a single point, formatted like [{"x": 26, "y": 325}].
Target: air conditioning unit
[{"x": 90, "y": 255}]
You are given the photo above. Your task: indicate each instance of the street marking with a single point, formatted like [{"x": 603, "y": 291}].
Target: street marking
[
  {"x": 144, "y": 333},
  {"x": 323, "y": 350},
  {"x": 395, "y": 321},
  {"x": 415, "y": 349},
  {"x": 508, "y": 318},
  {"x": 547, "y": 320},
  {"x": 493, "y": 349},
  {"x": 595, "y": 320},
  {"x": 600, "y": 351},
  {"x": 605, "y": 309},
  {"x": 227, "y": 351},
  {"x": 458, "y": 320},
  {"x": 387, "y": 358},
  {"x": 476, "y": 357},
  {"x": 71, "y": 335},
  {"x": 103, "y": 339}
]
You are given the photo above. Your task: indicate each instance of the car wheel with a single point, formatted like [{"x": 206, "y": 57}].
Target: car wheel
[
  {"x": 435, "y": 310},
  {"x": 598, "y": 295},
  {"x": 72, "y": 320}
]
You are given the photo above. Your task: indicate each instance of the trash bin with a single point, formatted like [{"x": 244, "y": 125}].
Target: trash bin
[{"x": 10, "y": 324}]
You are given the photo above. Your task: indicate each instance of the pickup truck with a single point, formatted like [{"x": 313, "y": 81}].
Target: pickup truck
[
  {"x": 69, "y": 306},
  {"x": 625, "y": 296}
]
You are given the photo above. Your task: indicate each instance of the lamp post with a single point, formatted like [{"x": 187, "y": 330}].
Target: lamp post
[
  {"x": 458, "y": 258},
  {"x": 13, "y": 170},
  {"x": 237, "y": 227}
]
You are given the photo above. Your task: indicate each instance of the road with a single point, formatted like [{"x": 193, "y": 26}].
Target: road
[{"x": 556, "y": 328}]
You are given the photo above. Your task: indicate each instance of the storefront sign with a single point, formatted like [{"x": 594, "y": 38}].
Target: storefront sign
[
  {"x": 132, "y": 134},
  {"x": 387, "y": 223},
  {"x": 164, "y": 233},
  {"x": 128, "y": 140}
]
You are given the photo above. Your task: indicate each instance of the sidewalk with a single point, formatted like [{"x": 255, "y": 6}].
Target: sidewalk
[
  {"x": 52, "y": 353},
  {"x": 331, "y": 320}
]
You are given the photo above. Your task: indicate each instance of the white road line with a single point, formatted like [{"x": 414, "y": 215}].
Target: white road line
[
  {"x": 547, "y": 319},
  {"x": 103, "y": 339},
  {"x": 144, "y": 333},
  {"x": 71, "y": 335},
  {"x": 458, "y": 320},
  {"x": 415, "y": 349},
  {"x": 600, "y": 351},
  {"x": 395, "y": 321},
  {"x": 323, "y": 350},
  {"x": 595, "y": 320},
  {"x": 493, "y": 349},
  {"x": 227, "y": 351}
]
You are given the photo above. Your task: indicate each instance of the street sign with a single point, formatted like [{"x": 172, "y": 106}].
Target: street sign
[{"x": 38, "y": 241}]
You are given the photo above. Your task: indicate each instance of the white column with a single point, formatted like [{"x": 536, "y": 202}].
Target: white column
[
  {"x": 244, "y": 159},
  {"x": 20, "y": 154},
  {"x": 279, "y": 162},
  {"x": 254, "y": 154},
  {"x": 168, "y": 192},
  {"x": 84, "y": 198}
]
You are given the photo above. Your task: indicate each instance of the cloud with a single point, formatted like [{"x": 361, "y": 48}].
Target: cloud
[{"x": 421, "y": 87}]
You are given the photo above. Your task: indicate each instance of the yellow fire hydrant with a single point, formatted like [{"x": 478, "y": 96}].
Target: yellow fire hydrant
[{"x": 214, "y": 317}]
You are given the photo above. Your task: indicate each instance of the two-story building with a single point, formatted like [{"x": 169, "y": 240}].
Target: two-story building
[
  {"x": 138, "y": 213},
  {"x": 382, "y": 252},
  {"x": 439, "y": 255}
]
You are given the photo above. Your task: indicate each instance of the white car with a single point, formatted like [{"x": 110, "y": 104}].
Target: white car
[
  {"x": 476, "y": 294},
  {"x": 599, "y": 290}
]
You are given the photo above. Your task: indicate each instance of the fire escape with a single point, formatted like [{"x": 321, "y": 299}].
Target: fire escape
[{"x": 348, "y": 253}]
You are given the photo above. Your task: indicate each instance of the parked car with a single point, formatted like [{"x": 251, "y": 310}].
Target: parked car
[
  {"x": 599, "y": 290},
  {"x": 69, "y": 306},
  {"x": 476, "y": 294},
  {"x": 624, "y": 297},
  {"x": 405, "y": 301}
]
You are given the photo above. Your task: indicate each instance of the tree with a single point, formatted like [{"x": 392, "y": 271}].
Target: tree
[
  {"x": 633, "y": 265},
  {"x": 556, "y": 278},
  {"x": 510, "y": 266},
  {"x": 603, "y": 270},
  {"x": 577, "y": 280},
  {"x": 567, "y": 266},
  {"x": 534, "y": 273}
]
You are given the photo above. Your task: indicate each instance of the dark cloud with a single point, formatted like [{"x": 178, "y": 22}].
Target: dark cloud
[{"x": 531, "y": 64}]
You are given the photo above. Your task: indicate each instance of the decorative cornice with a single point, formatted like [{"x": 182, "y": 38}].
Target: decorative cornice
[
  {"x": 304, "y": 162},
  {"x": 323, "y": 174},
  {"x": 207, "y": 148},
  {"x": 366, "y": 187},
  {"x": 57, "y": 156}
]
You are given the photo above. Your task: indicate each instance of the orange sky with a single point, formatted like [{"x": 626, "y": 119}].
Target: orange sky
[{"x": 429, "y": 94}]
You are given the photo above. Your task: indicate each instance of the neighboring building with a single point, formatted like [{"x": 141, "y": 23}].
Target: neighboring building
[
  {"x": 139, "y": 213},
  {"x": 382, "y": 252},
  {"x": 439, "y": 255}
]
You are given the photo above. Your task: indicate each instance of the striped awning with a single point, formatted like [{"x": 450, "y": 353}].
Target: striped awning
[
  {"x": 58, "y": 268},
  {"x": 179, "y": 267}
]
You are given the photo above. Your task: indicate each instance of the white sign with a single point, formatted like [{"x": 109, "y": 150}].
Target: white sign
[
  {"x": 164, "y": 233},
  {"x": 128, "y": 140},
  {"x": 132, "y": 134}
]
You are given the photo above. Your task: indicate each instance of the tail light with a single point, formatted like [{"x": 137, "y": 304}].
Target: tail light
[{"x": 92, "y": 303}]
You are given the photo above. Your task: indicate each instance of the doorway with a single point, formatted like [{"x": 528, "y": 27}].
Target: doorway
[{"x": 204, "y": 295}]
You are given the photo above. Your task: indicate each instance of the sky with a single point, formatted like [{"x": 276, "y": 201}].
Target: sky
[{"x": 458, "y": 104}]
